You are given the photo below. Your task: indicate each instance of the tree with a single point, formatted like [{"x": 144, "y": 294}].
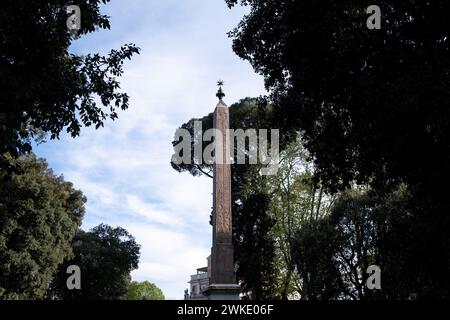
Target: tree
[
  {"x": 144, "y": 291},
  {"x": 296, "y": 199},
  {"x": 254, "y": 248},
  {"x": 43, "y": 88},
  {"x": 371, "y": 103},
  {"x": 366, "y": 228},
  {"x": 358, "y": 220},
  {"x": 105, "y": 256},
  {"x": 312, "y": 249},
  {"x": 39, "y": 215}
]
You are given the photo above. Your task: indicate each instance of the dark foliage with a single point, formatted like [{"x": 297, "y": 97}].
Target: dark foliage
[
  {"x": 106, "y": 256},
  {"x": 44, "y": 89},
  {"x": 373, "y": 107}
]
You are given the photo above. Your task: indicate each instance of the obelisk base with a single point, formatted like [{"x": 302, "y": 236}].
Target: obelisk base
[
  {"x": 222, "y": 263},
  {"x": 223, "y": 292}
]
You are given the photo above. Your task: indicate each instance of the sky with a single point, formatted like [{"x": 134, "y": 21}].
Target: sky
[{"x": 124, "y": 168}]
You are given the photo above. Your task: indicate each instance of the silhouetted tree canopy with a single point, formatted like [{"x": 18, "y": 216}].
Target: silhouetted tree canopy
[
  {"x": 44, "y": 89},
  {"x": 106, "y": 256},
  {"x": 373, "y": 104},
  {"x": 373, "y": 108},
  {"x": 368, "y": 228},
  {"x": 254, "y": 247}
]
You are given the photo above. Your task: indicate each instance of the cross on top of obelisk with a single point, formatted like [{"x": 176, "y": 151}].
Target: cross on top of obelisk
[{"x": 220, "y": 93}]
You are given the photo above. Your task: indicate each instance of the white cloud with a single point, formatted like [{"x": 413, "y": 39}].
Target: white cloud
[
  {"x": 177, "y": 256},
  {"x": 151, "y": 212}
]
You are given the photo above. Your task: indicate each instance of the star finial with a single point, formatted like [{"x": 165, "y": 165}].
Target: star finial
[{"x": 220, "y": 93}]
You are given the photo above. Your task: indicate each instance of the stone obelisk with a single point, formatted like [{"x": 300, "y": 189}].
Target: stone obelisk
[{"x": 222, "y": 277}]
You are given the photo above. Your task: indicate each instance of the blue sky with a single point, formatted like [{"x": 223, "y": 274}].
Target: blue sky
[{"x": 123, "y": 168}]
